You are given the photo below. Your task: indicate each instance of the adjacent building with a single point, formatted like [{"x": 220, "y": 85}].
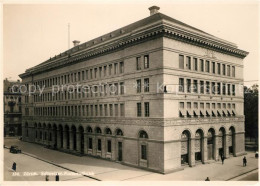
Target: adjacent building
[
  {"x": 12, "y": 108},
  {"x": 161, "y": 95}
]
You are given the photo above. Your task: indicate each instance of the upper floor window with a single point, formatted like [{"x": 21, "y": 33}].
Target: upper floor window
[
  {"x": 115, "y": 68},
  {"x": 213, "y": 67},
  {"x": 188, "y": 85},
  {"x": 223, "y": 69},
  {"x": 228, "y": 70},
  {"x": 138, "y": 86},
  {"x": 146, "y": 85},
  {"x": 121, "y": 69},
  {"x": 202, "y": 65},
  {"x": 110, "y": 69},
  {"x": 181, "y": 85},
  {"x": 233, "y": 71},
  {"x": 218, "y": 68},
  {"x": 195, "y": 64},
  {"x": 146, "y": 109},
  {"x": 188, "y": 62},
  {"x": 138, "y": 63},
  {"x": 181, "y": 61},
  {"x": 207, "y": 66},
  {"x": 146, "y": 61},
  {"x": 139, "y": 110}
]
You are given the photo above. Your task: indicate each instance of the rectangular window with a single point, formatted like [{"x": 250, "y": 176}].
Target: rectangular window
[
  {"x": 181, "y": 105},
  {"x": 219, "y": 105},
  {"x": 223, "y": 69},
  {"x": 139, "y": 110},
  {"x": 201, "y": 65},
  {"x": 87, "y": 75},
  {"x": 78, "y": 76},
  {"x": 202, "y": 87},
  {"x": 100, "y": 72},
  {"x": 147, "y": 109},
  {"x": 91, "y": 74},
  {"x": 105, "y": 71},
  {"x": 213, "y": 87},
  {"x": 138, "y": 86},
  {"x": 207, "y": 87},
  {"x": 115, "y": 68},
  {"x": 138, "y": 63},
  {"x": 233, "y": 90},
  {"x": 195, "y": 86},
  {"x": 146, "y": 85},
  {"x": 121, "y": 67},
  {"x": 218, "y": 88},
  {"x": 195, "y": 64},
  {"x": 188, "y": 105},
  {"x": 188, "y": 63},
  {"x": 99, "y": 144},
  {"x": 228, "y": 70},
  {"x": 90, "y": 146},
  {"x": 233, "y": 71},
  {"x": 224, "y": 89},
  {"x": 218, "y": 66},
  {"x": 122, "y": 88},
  {"x": 213, "y": 67},
  {"x": 202, "y": 105},
  {"x": 111, "y": 109},
  {"x": 181, "y": 61},
  {"x": 228, "y": 87},
  {"x": 188, "y": 85},
  {"x": 83, "y": 75},
  {"x": 181, "y": 85},
  {"x": 91, "y": 110},
  {"x": 143, "y": 151},
  {"x": 207, "y": 66},
  {"x": 146, "y": 61},
  {"x": 105, "y": 108},
  {"x": 116, "y": 88},
  {"x": 122, "y": 110},
  {"x": 95, "y": 73},
  {"x": 195, "y": 105},
  {"x": 110, "y": 69},
  {"x": 101, "y": 110},
  {"x": 116, "y": 110},
  {"x": 109, "y": 146}
]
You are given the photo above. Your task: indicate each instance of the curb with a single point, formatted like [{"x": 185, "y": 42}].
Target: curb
[
  {"x": 230, "y": 179},
  {"x": 57, "y": 165}
]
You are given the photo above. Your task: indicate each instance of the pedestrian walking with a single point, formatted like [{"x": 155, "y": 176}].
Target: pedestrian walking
[
  {"x": 47, "y": 178},
  {"x": 14, "y": 167},
  {"x": 207, "y": 179},
  {"x": 222, "y": 159},
  {"x": 57, "y": 178},
  {"x": 244, "y": 161}
]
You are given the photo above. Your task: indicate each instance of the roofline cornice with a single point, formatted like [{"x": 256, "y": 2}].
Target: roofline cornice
[{"x": 157, "y": 30}]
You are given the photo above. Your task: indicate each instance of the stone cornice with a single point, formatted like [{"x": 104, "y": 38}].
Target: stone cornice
[{"x": 157, "y": 30}]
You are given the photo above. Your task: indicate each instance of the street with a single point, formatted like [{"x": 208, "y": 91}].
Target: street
[{"x": 40, "y": 159}]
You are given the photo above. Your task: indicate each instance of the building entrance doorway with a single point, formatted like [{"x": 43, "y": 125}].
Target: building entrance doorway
[{"x": 120, "y": 151}]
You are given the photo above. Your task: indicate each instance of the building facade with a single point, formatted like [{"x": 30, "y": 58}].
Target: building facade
[
  {"x": 161, "y": 95},
  {"x": 12, "y": 108}
]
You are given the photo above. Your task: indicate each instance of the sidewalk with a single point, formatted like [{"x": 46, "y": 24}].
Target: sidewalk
[{"x": 111, "y": 171}]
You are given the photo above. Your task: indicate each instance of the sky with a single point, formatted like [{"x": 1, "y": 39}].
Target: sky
[{"x": 32, "y": 33}]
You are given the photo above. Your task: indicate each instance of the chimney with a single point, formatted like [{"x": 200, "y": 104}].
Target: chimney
[
  {"x": 154, "y": 10},
  {"x": 76, "y": 43}
]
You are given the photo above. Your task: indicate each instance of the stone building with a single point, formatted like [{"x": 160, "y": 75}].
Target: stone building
[
  {"x": 12, "y": 108},
  {"x": 163, "y": 95}
]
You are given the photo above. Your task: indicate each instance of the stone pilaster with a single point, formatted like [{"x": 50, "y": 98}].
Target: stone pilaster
[
  {"x": 216, "y": 148},
  {"x": 205, "y": 150},
  {"x": 226, "y": 149},
  {"x": 192, "y": 152},
  {"x": 78, "y": 139}
]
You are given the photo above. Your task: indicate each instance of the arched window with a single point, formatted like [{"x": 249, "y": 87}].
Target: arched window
[
  {"x": 98, "y": 130},
  {"x": 108, "y": 131},
  {"x": 119, "y": 132},
  {"x": 89, "y": 129},
  {"x": 143, "y": 134}
]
